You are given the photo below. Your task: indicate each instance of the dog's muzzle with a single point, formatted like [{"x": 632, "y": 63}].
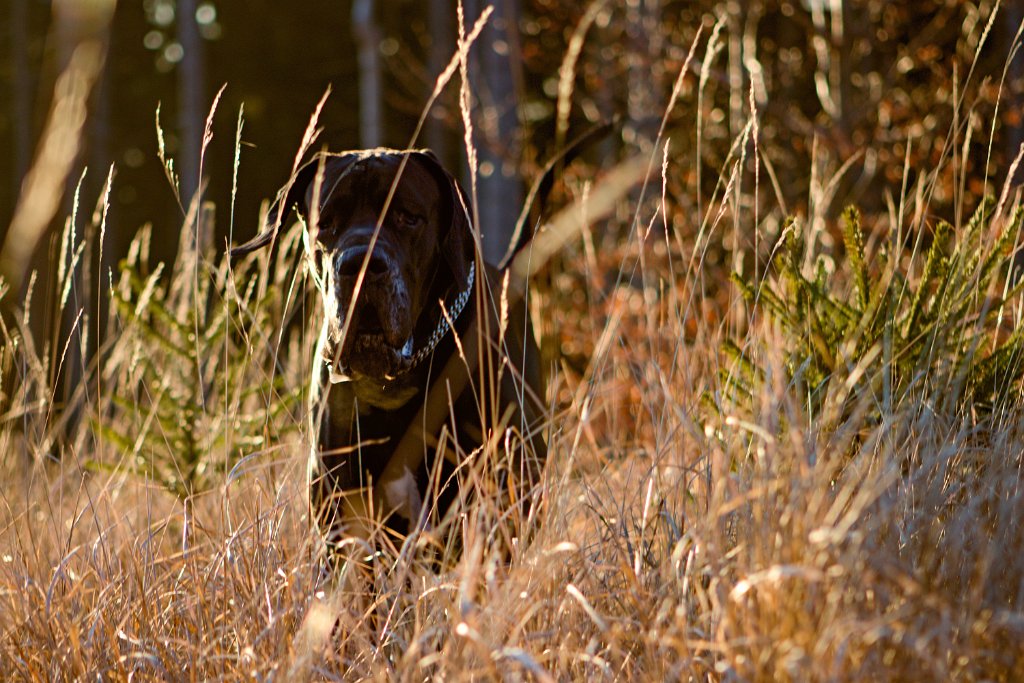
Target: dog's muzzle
[
  {"x": 374, "y": 354},
  {"x": 379, "y": 341}
]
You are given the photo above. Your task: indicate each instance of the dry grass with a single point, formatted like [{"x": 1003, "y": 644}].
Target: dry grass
[{"x": 672, "y": 542}]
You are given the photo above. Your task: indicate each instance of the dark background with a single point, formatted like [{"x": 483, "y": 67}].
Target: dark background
[
  {"x": 893, "y": 70},
  {"x": 276, "y": 60}
]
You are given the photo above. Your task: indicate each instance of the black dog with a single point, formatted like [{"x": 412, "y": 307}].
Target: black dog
[{"x": 400, "y": 267}]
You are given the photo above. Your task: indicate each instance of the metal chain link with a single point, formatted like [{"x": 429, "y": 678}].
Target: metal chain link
[{"x": 442, "y": 325}]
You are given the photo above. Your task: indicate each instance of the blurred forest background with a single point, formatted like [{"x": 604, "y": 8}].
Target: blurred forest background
[
  {"x": 868, "y": 83},
  {"x": 809, "y": 472}
]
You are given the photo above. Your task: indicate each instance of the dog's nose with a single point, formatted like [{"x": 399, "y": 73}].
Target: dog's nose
[{"x": 352, "y": 260}]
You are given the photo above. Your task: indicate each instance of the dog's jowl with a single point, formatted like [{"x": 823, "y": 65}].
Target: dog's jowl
[{"x": 416, "y": 365}]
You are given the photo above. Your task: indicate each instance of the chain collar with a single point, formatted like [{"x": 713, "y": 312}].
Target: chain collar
[{"x": 443, "y": 327}]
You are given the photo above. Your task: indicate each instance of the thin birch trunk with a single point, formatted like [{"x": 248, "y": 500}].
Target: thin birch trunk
[{"x": 367, "y": 35}]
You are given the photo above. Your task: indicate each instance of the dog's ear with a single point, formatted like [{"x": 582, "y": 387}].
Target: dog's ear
[
  {"x": 457, "y": 243},
  {"x": 293, "y": 194},
  {"x": 297, "y": 194}
]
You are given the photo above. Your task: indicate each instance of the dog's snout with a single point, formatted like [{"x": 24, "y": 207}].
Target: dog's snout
[{"x": 352, "y": 260}]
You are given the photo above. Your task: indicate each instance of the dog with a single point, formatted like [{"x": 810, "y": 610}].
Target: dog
[{"x": 420, "y": 360}]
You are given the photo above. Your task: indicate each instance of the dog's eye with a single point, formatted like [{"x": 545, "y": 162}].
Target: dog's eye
[
  {"x": 328, "y": 230},
  {"x": 407, "y": 219}
]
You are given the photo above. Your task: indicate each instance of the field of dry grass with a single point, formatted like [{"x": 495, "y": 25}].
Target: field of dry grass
[{"x": 731, "y": 494}]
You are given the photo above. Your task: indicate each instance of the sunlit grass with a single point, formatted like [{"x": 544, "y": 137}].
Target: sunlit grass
[{"x": 681, "y": 531}]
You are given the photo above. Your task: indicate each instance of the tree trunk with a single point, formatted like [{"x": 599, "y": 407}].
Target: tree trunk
[
  {"x": 441, "y": 20},
  {"x": 496, "y": 125},
  {"x": 21, "y": 100},
  {"x": 367, "y": 35},
  {"x": 191, "y": 112}
]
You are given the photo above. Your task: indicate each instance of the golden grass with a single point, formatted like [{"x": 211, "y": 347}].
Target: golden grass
[
  {"x": 671, "y": 542},
  {"x": 754, "y": 547}
]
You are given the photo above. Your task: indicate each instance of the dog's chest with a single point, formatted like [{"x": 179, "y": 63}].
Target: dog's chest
[{"x": 347, "y": 404}]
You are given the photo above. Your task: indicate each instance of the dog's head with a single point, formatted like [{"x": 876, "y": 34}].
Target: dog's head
[{"x": 389, "y": 279}]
